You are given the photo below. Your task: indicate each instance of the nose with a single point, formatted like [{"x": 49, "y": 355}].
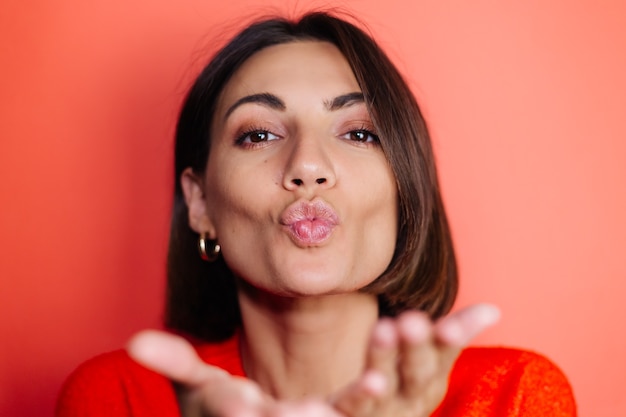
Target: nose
[{"x": 309, "y": 165}]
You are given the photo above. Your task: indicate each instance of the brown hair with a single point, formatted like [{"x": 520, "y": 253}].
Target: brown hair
[{"x": 201, "y": 296}]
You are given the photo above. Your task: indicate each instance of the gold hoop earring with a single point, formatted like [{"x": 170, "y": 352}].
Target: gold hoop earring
[{"x": 209, "y": 249}]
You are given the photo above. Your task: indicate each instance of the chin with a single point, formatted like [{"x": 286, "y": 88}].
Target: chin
[
  {"x": 312, "y": 284},
  {"x": 311, "y": 287}
]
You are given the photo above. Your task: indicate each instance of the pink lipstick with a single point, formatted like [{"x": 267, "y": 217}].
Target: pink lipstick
[{"x": 309, "y": 222}]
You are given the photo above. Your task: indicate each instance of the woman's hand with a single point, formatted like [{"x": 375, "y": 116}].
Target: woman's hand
[
  {"x": 210, "y": 391},
  {"x": 409, "y": 361}
]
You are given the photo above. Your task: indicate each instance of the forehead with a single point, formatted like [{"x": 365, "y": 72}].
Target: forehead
[{"x": 314, "y": 67}]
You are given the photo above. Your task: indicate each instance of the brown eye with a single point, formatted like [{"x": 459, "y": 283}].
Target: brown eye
[
  {"x": 256, "y": 136},
  {"x": 259, "y": 136},
  {"x": 361, "y": 135}
]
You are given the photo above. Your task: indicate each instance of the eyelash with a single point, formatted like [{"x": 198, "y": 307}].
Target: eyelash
[
  {"x": 243, "y": 139},
  {"x": 367, "y": 132}
]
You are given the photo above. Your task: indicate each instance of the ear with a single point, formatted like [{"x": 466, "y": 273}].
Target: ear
[{"x": 193, "y": 189}]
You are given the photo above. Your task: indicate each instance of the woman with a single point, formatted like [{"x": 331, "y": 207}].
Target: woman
[{"x": 305, "y": 175}]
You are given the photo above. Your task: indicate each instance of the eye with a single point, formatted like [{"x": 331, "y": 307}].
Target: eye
[
  {"x": 361, "y": 135},
  {"x": 256, "y": 136}
]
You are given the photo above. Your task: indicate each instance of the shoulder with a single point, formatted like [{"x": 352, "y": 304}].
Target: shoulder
[
  {"x": 114, "y": 384},
  {"x": 507, "y": 382},
  {"x": 505, "y": 361}
]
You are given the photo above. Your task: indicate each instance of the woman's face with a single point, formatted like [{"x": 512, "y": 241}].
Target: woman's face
[{"x": 297, "y": 189}]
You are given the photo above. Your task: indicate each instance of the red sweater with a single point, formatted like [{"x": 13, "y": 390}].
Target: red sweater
[{"x": 485, "y": 382}]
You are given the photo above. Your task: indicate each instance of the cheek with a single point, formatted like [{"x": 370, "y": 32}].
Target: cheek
[
  {"x": 229, "y": 206},
  {"x": 389, "y": 215},
  {"x": 382, "y": 197},
  {"x": 387, "y": 227},
  {"x": 377, "y": 225},
  {"x": 236, "y": 198}
]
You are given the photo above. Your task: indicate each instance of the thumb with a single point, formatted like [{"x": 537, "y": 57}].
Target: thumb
[
  {"x": 459, "y": 328},
  {"x": 171, "y": 356}
]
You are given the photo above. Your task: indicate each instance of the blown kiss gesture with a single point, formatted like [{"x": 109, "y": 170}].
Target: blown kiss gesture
[{"x": 408, "y": 360}]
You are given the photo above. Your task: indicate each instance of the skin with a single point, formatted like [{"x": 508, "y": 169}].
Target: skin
[
  {"x": 312, "y": 345},
  {"x": 247, "y": 186}
]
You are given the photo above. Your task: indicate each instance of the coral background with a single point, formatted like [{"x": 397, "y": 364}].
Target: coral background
[{"x": 526, "y": 101}]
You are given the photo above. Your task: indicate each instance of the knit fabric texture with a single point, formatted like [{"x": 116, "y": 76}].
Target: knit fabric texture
[{"x": 484, "y": 382}]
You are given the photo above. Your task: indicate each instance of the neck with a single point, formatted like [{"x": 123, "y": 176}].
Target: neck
[{"x": 305, "y": 347}]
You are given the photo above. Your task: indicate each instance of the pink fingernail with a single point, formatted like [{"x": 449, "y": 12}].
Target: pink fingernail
[
  {"x": 452, "y": 333},
  {"x": 374, "y": 382},
  {"x": 491, "y": 313},
  {"x": 415, "y": 327},
  {"x": 385, "y": 334}
]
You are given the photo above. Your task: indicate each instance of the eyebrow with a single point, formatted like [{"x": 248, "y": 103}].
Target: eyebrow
[
  {"x": 345, "y": 100},
  {"x": 264, "y": 99},
  {"x": 273, "y": 102}
]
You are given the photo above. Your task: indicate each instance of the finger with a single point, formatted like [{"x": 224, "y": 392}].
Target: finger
[
  {"x": 171, "y": 356},
  {"x": 362, "y": 397},
  {"x": 380, "y": 376},
  {"x": 459, "y": 328},
  {"x": 238, "y": 401},
  {"x": 382, "y": 353},
  {"x": 308, "y": 408},
  {"x": 207, "y": 390},
  {"x": 419, "y": 360}
]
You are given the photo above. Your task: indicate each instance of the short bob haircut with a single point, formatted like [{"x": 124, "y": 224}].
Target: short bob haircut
[{"x": 201, "y": 296}]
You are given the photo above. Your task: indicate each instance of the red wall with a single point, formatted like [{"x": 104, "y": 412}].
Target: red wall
[{"x": 526, "y": 101}]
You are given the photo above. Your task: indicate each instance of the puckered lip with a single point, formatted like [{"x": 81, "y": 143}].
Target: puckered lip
[
  {"x": 309, "y": 223},
  {"x": 316, "y": 209}
]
